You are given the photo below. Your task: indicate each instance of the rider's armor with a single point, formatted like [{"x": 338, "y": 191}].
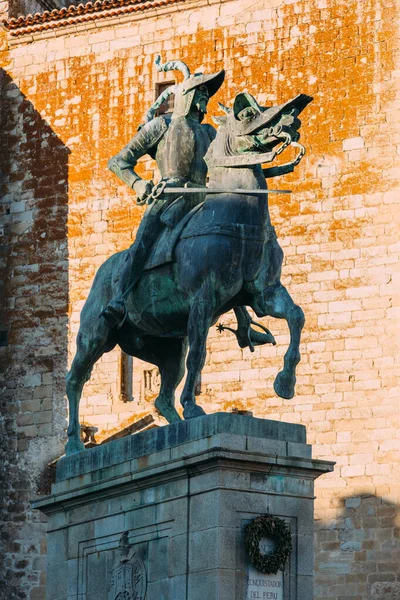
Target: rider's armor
[{"x": 178, "y": 145}]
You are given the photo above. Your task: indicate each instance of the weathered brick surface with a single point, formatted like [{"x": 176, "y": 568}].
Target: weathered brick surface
[{"x": 69, "y": 102}]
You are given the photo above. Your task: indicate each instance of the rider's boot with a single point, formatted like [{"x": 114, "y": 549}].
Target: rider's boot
[
  {"x": 115, "y": 312},
  {"x": 246, "y": 335},
  {"x": 257, "y": 338}
]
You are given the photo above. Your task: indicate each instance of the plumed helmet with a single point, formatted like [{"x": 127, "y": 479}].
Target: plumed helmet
[{"x": 185, "y": 91}]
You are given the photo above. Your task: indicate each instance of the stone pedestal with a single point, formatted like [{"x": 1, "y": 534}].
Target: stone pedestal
[{"x": 161, "y": 515}]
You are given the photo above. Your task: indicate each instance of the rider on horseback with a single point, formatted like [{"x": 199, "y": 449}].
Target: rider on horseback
[{"x": 178, "y": 143}]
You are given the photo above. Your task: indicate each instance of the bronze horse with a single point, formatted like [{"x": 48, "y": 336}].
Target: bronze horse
[{"x": 227, "y": 256}]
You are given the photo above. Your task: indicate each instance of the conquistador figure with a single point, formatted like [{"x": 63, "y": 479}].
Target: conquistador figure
[{"x": 178, "y": 143}]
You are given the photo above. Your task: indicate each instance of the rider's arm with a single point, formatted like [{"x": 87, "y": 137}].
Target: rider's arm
[{"x": 123, "y": 164}]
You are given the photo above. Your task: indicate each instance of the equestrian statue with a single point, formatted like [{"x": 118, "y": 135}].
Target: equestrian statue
[{"x": 202, "y": 248}]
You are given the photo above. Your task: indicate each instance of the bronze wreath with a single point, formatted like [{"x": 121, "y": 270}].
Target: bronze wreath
[{"x": 271, "y": 527}]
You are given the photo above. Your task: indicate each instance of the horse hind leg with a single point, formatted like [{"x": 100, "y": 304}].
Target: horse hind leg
[
  {"x": 172, "y": 370},
  {"x": 276, "y": 302},
  {"x": 89, "y": 350}
]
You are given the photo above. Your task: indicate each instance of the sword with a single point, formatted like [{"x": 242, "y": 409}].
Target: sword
[
  {"x": 160, "y": 188},
  {"x": 183, "y": 190}
]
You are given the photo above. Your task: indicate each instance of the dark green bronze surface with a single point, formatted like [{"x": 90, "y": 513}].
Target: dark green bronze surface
[{"x": 161, "y": 296}]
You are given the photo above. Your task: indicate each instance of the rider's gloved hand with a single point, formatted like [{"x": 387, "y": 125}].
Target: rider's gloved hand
[{"x": 143, "y": 188}]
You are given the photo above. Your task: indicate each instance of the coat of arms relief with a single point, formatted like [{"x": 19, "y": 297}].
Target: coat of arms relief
[{"x": 128, "y": 578}]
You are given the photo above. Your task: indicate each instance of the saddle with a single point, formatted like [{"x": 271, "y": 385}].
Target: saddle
[{"x": 163, "y": 250}]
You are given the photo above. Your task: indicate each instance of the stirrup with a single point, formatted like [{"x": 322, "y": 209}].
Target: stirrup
[{"x": 267, "y": 337}]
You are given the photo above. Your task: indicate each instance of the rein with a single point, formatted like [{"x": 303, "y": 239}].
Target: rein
[{"x": 253, "y": 158}]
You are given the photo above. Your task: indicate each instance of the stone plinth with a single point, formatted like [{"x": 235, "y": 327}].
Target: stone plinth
[{"x": 183, "y": 494}]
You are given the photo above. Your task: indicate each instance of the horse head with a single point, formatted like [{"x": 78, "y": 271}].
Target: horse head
[{"x": 250, "y": 134}]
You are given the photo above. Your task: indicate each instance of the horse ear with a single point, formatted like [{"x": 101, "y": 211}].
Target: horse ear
[
  {"x": 224, "y": 108},
  {"x": 219, "y": 120},
  {"x": 242, "y": 101}
]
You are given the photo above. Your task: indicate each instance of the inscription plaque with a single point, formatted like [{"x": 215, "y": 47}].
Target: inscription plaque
[{"x": 263, "y": 586}]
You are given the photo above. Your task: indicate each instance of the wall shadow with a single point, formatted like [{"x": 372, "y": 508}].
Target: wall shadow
[
  {"x": 33, "y": 329},
  {"x": 358, "y": 553}
]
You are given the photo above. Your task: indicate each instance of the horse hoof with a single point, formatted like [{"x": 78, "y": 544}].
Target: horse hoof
[
  {"x": 167, "y": 411},
  {"x": 284, "y": 386},
  {"x": 193, "y": 410},
  {"x": 73, "y": 446}
]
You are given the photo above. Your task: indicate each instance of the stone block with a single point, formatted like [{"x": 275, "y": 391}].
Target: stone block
[
  {"x": 87, "y": 512},
  {"x": 353, "y": 143},
  {"x": 157, "y": 565},
  {"x": 203, "y": 550},
  {"x": 160, "y": 589},
  {"x": 175, "y": 511},
  {"x": 305, "y": 558},
  {"x": 190, "y": 448},
  {"x": 57, "y": 546},
  {"x": 177, "y": 587},
  {"x": 273, "y": 447},
  {"x": 299, "y": 450},
  {"x": 137, "y": 519},
  {"x": 125, "y": 501},
  {"x": 177, "y": 555},
  {"x": 274, "y": 483},
  {"x": 56, "y": 586},
  {"x": 76, "y": 534},
  {"x": 235, "y": 479},
  {"x": 385, "y": 590},
  {"x": 304, "y": 587},
  {"x": 108, "y": 526},
  {"x": 205, "y": 481},
  {"x": 205, "y": 510},
  {"x": 232, "y": 503},
  {"x": 73, "y": 577},
  {"x": 218, "y": 583}
]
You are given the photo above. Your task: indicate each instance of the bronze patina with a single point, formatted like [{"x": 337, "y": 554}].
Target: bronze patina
[{"x": 196, "y": 256}]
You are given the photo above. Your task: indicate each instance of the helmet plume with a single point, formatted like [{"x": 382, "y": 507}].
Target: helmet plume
[{"x": 172, "y": 65}]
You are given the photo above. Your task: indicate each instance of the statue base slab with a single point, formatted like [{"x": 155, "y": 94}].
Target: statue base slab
[{"x": 162, "y": 514}]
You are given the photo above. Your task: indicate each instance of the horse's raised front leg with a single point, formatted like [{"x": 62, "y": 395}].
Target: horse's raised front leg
[
  {"x": 200, "y": 320},
  {"x": 277, "y": 303},
  {"x": 89, "y": 350}
]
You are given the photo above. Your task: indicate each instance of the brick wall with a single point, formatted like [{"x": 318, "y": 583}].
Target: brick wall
[{"x": 72, "y": 100}]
